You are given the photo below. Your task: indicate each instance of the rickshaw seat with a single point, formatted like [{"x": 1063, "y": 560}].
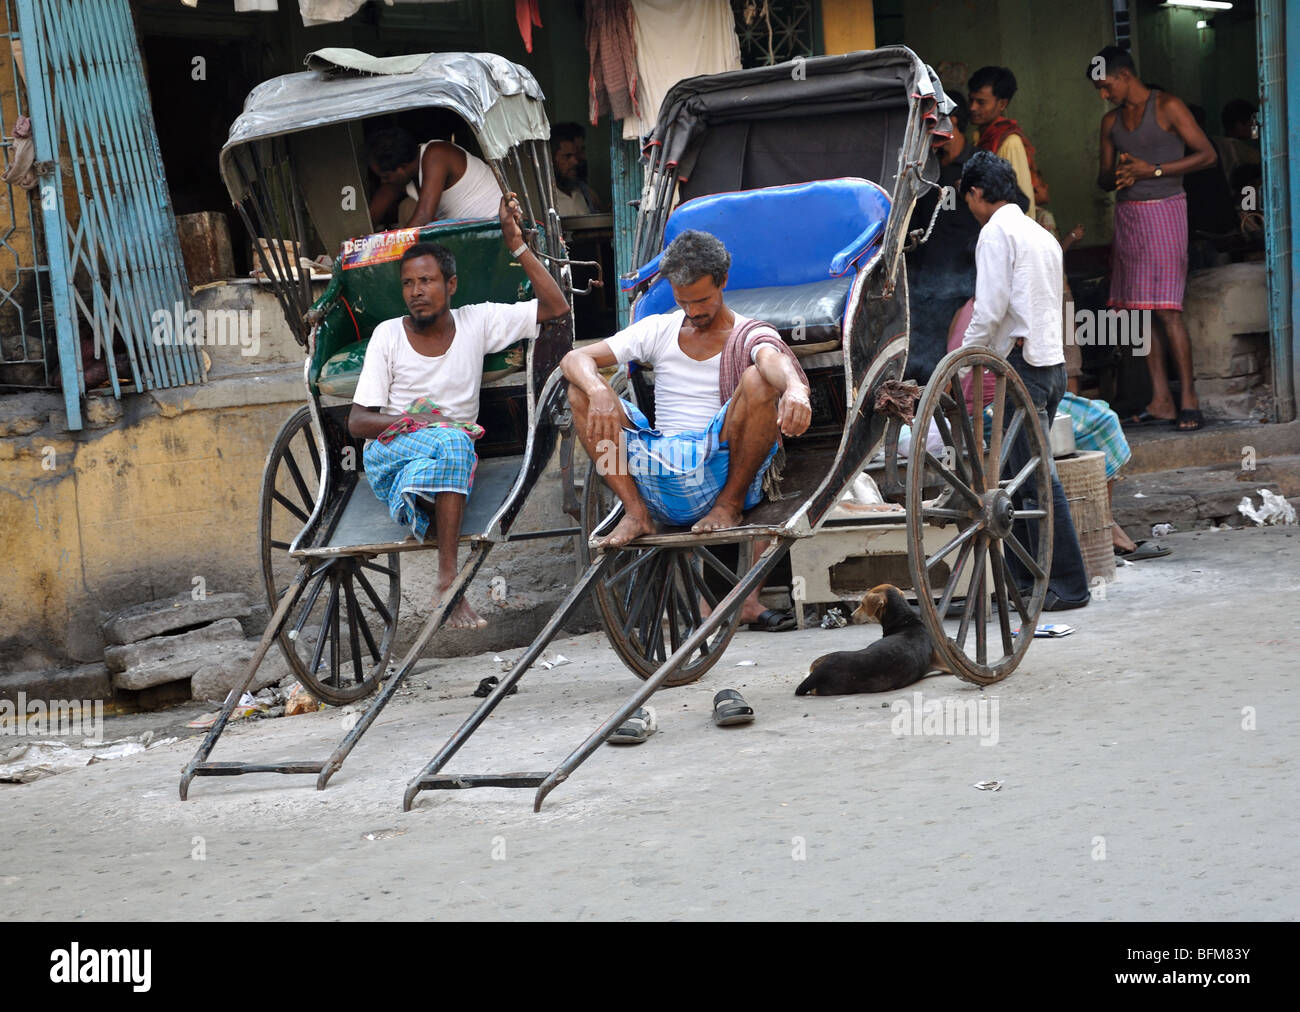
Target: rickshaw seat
[{"x": 794, "y": 249}]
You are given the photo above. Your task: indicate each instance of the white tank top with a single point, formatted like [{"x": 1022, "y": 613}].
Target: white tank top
[{"x": 475, "y": 195}]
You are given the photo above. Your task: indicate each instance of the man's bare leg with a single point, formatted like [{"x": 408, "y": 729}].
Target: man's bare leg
[
  {"x": 749, "y": 431},
  {"x": 448, "y": 511},
  {"x": 752, "y": 607},
  {"x": 1180, "y": 344},
  {"x": 1118, "y": 536},
  {"x": 1162, "y": 398},
  {"x": 612, "y": 463}
]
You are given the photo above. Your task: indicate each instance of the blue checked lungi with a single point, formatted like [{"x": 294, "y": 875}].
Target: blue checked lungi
[
  {"x": 680, "y": 476},
  {"x": 423, "y": 462},
  {"x": 1097, "y": 427}
]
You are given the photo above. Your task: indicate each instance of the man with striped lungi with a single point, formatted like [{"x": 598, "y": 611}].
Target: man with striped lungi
[{"x": 1143, "y": 141}]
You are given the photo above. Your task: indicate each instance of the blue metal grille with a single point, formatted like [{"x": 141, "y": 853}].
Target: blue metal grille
[{"x": 115, "y": 262}]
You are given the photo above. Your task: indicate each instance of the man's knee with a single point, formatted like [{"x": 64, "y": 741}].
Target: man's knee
[
  {"x": 755, "y": 386},
  {"x": 577, "y": 398}
]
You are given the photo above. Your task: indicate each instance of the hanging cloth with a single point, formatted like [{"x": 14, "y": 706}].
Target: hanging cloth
[
  {"x": 677, "y": 39},
  {"x": 611, "y": 48},
  {"x": 528, "y": 15}
]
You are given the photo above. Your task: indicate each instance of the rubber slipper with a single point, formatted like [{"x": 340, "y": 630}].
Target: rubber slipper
[
  {"x": 1145, "y": 417},
  {"x": 1189, "y": 421},
  {"x": 773, "y": 621},
  {"x": 1144, "y": 550},
  {"x": 729, "y": 707},
  {"x": 486, "y": 686},
  {"x": 636, "y": 729}
]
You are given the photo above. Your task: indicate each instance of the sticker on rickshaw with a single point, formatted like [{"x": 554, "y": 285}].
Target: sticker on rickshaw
[{"x": 379, "y": 248}]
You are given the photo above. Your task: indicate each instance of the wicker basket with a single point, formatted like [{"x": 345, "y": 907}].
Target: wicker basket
[{"x": 1083, "y": 476}]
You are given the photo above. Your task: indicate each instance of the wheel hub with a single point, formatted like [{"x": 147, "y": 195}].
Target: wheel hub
[{"x": 999, "y": 512}]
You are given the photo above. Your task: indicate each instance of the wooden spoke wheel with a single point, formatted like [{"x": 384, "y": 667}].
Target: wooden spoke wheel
[
  {"x": 989, "y": 490},
  {"x": 652, "y": 599},
  {"x": 338, "y": 638}
]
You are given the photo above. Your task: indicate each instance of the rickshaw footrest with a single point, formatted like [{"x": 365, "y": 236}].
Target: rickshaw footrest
[
  {"x": 463, "y": 781},
  {"x": 236, "y": 769}
]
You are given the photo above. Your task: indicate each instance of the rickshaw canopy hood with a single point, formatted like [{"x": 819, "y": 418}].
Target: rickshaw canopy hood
[
  {"x": 499, "y": 100},
  {"x": 825, "y": 84}
]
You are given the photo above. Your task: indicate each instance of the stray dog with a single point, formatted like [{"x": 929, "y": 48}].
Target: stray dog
[{"x": 904, "y": 655}]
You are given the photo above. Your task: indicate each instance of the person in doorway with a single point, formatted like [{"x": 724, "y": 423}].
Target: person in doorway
[
  {"x": 1017, "y": 314},
  {"x": 1142, "y": 143},
  {"x": 569, "y": 160},
  {"x": 437, "y": 181},
  {"x": 991, "y": 91}
]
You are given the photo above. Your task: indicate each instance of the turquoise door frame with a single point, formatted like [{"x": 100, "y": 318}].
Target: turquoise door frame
[{"x": 1277, "y": 34}]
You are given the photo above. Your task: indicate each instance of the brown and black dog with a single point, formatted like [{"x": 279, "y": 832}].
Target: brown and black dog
[{"x": 902, "y": 656}]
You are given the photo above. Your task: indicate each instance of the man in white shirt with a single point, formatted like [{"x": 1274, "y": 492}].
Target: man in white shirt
[
  {"x": 418, "y": 396},
  {"x": 1017, "y": 314},
  {"x": 704, "y": 463}
]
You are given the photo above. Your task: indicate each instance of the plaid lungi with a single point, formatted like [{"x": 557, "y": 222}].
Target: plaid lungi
[
  {"x": 1149, "y": 258},
  {"x": 1096, "y": 427},
  {"x": 423, "y": 462},
  {"x": 679, "y": 476}
]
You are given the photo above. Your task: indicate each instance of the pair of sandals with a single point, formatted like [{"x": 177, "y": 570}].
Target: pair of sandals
[
  {"x": 1187, "y": 421},
  {"x": 729, "y": 707}
]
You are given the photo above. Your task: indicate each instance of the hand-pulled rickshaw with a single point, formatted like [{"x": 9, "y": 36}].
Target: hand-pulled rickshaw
[{"x": 808, "y": 172}]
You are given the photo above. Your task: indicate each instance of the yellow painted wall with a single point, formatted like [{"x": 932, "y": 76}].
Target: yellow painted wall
[
  {"x": 126, "y": 514},
  {"x": 848, "y": 25}
]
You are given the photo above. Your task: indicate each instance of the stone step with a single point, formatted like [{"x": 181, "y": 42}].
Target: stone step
[
  {"x": 212, "y": 671},
  {"x": 157, "y": 649},
  {"x": 155, "y": 618},
  {"x": 1162, "y": 447},
  {"x": 88, "y": 681},
  {"x": 1196, "y": 497}
]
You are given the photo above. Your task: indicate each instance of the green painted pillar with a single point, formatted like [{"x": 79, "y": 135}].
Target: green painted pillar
[{"x": 625, "y": 180}]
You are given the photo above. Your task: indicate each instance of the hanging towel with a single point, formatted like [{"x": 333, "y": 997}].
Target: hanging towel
[
  {"x": 677, "y": 39},
  {"x": 22, "y": 171}
]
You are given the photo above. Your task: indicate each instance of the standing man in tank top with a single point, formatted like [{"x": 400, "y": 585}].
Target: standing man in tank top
[
  {"x": 1142, "y": 145},
  {"x": 443, "y": 180}
]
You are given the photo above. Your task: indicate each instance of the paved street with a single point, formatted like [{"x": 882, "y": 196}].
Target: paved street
[{"x": 1131, "y": 788}]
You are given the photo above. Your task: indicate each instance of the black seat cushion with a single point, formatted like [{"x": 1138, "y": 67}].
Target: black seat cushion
[{"x": 802, "y": 314}]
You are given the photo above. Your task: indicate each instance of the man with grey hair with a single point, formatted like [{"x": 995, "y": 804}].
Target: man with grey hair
[{"x": 725, "y": 389}]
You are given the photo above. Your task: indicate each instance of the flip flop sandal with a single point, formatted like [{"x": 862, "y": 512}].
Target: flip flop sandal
[
  {"x": 1144, "y": 550},
  {"x": 1145, "y": 417},
  {"x": 729, "y": 707},
  {"x": 1189, "y": 421},
  {"x": 773, "y": 621},
  {"x": 636, "y": 729},
  {"x": 486, "y": 686}
]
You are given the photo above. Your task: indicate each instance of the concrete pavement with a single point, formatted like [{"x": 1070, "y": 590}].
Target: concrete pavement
[{"x": 1148, "y": 765}]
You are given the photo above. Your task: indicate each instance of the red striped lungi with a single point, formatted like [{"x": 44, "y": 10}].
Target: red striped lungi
[{"x": 1148, "y": 267}]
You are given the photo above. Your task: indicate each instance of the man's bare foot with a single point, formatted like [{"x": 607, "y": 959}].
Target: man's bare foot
[
  {"x": 1121, "y": 540},
  {"x": 1164, "y": 410},
  {"x": 628, "y": 528},
  {"x": 465, "y": 617},
  {"x": 718, "y": 518},
  {"x": 750, "y": 610}
]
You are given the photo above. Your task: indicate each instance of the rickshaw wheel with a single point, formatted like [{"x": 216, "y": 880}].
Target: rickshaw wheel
[
  {"x": 346, "y": 612},
  {"x": 649, "y": 600},
  {"x": 995, "y": 516}
]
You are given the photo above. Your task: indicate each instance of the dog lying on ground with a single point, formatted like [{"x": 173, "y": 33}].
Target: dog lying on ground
[{"x": 902, "y": 656}]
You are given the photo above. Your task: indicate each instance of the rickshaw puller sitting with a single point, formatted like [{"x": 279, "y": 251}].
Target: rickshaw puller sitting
[
  {"x": 418, "y": 396},
  {"x": 723, "y": 393}
]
